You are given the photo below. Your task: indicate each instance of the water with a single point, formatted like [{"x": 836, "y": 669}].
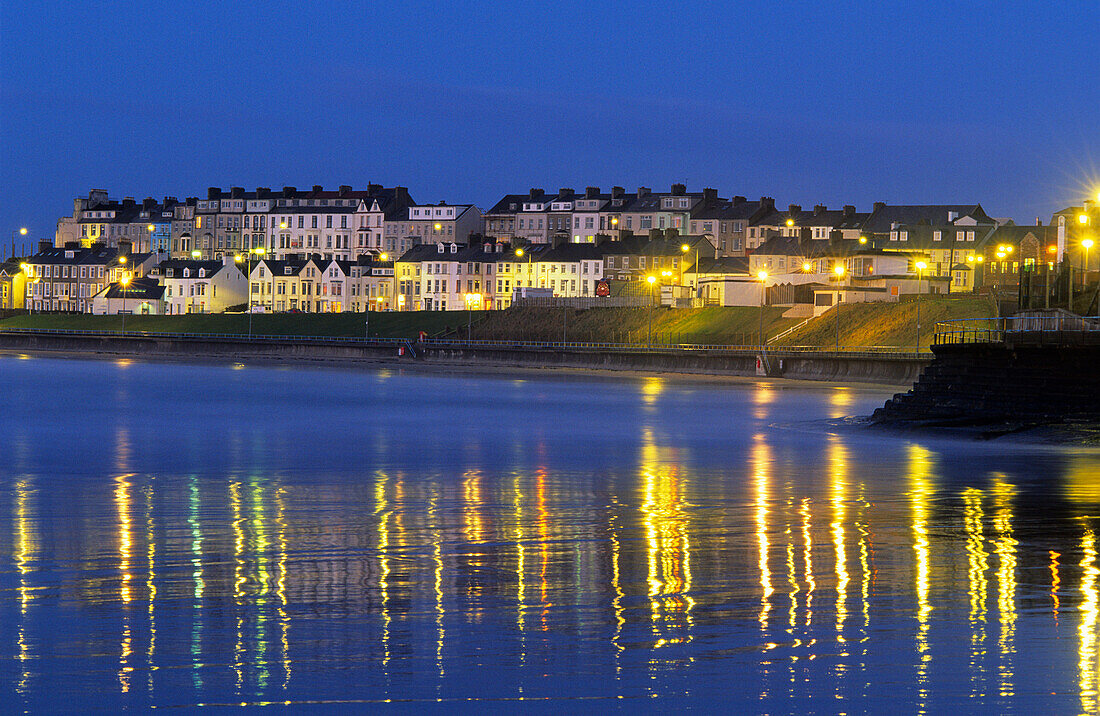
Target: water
[{"x": 177, "y": 535}]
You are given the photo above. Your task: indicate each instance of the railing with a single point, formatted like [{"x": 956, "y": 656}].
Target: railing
[
  {"x": 589, "y": 346},
  {"x": 1042, "y": 328}
]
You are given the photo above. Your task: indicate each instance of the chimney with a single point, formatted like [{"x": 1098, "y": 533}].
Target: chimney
[
  {"x": 849, "y": 210},
  {"x": 643, "y": 191},
  {"x": 72, "y": 244},
  {"x": 710, "y": 195},
  {"x": 534, "y": 194},
  {"x": 317, "y": 188},
  {"x": 558, "y": 239},
  {"x": 602, "y": 239},
  {"x": 401, "y": 196},
  {"x": 591, "y": 192},
  {"x": 213, "y": 192},
  {"x": 1038, "y": 221},
  {"x": 289, "y": 191},
  {"x": 128, "y": 201},
  {"x": 345, "y": 190},
  {"x": 617, "y": 192},
  {"x": 566, "y": 193},
  {"x": 738, "y": 200},
  {"x": 678, "y": 189},
  {"x": 371, "y": 188},
  {"x": 149, "y": 203},
  {"x": 44, "y": 246},
  {"x": 878, "y": 206},
  {"x": 767, "y": 203},
  {"x": 794, "y": 209},
  {"x": 818, "y": 208},
  {"x": 236, "y": 192}
]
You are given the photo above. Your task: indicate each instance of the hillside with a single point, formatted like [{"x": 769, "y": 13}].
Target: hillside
[{"x": 886, "y": 324}]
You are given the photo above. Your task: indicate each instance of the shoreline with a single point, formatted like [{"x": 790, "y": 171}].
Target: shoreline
[{"x": 444, "y": 366}]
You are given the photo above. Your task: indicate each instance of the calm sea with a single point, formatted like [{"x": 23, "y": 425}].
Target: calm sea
[{"x": 178, "y": 535}]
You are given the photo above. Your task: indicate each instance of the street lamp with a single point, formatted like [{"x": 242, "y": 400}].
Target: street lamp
[
  {"x": 651, "y": 279},
  {"x": 26, "y": 268},
  {"x": 685, "y": 248},
  {"x": 125, "y": 281},
  {"x": 1087, "y": 244},
  {"x": 248, "y": 280},
  {"x": 763, "y": 276},
  {"x": 920, "y": 266},
  {"x": 22, "y": 232},
  {"x": 519, "y": 254},
  {"x": 839, "y": 271}
]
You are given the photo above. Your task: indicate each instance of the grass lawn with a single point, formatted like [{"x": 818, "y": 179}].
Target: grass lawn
[
  {"x": 886, "y": 324},
  {"x": 381, "y": 324}
]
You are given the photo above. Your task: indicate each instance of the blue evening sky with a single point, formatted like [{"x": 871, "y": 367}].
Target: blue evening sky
[{"x": 809, "y": 102}]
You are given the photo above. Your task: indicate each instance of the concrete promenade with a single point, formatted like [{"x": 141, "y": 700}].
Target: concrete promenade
[{"x": 858, "y": 365}]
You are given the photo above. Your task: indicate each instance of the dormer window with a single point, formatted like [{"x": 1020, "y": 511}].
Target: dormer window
[
  {"x": 287, "y": 270},
  {"x": 187, "y": 273},
  {"x": 454, "y": 249},
  {"x": 170, "y": 272},
  {"x": 202, "y": 273}
]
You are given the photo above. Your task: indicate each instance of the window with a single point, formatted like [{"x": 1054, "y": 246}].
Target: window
[{"x": 937, "y": 235}]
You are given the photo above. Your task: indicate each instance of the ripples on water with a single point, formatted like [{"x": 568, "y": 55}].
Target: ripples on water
[{"x": 178, "y": 535}]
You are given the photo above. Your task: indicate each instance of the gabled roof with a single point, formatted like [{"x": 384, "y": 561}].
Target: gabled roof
[
  {"x": 464, "y": 253},
  {"x": 138, "y": 289},
  {"x": 793, "y": 246},
  {"x": 884, "y": 216},
  {"x": 724, "y": 210},
  {"x": 178, "y": 266}
]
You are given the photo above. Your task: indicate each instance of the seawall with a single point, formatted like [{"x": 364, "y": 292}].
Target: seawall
[
  {"x": 987, "y": 383},
  {"x": 885, "y": 368}
]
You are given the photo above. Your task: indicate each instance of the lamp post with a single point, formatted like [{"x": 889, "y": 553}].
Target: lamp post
[
  {"x": 685, "y": 248},
  {"x": 920, "y": 266},
  {"x": 22, "y": 232},
  {"x": 651, "y": 279},
  {"x": 125, "y": 281},
  {"x": 839, "y": 271},
  {"x": 1087, "y": 244},
  {"x": 763, "y": 276},
  {"x": 256, "y": 250}
]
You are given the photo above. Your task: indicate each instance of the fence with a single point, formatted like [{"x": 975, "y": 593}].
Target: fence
[{"x": 1044, "y": 328}]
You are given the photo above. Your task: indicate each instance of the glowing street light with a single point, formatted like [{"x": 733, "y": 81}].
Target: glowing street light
[
  {"x": 807, "y": 267},
  {"x": 920, "y": 266},
  {"x": 125, "y": 281},
  {"x": 684, "y": 248},
  {"x": 763, "y": 276},
  {"x": 839, "y": 271},
  {"x": 863, "y": 239},
  {"x": 1087, "y": 244},
  {"x": 651, "y": 280}
]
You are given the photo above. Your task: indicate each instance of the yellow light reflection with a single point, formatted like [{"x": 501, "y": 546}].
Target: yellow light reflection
[
  {"x": 1086, "y": 630},
  {"x": 437, "y": 574},
  {"x": 238, "y": 579},
  {"x": 920, "y": 492},
  {"x": 1005, "y": 547},
  {"x": 543, "y": 525},
  {"x": 280, "y": 585},
  {"x": 261, "y": 555},
  {"x": 521, "y": 559},
  {"x": 151, "y": 583},
  {"x": 194, "y": 507},
  {"x": 125, "y": 549},
  {"x": 977, "y": 561},
  {"x": 761, "y": 460},
  {"x": 1055, "y": 580},
  {"x": 382, "y": 511},
  {"x": 26, "y": 547},
  {"x": 668, "y": 547},
  {"x": 616, "y": 584},
  {"x": 807, "y": 558},
  {"x": 837, "y": 456}
]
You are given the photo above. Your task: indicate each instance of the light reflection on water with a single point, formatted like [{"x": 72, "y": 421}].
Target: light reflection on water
[{"x": 305, "y": 536}]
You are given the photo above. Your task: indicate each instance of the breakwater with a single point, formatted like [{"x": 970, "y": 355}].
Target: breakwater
[
  {"x": 854, "y": 366},
  {"x": 1017, "y": 377}
]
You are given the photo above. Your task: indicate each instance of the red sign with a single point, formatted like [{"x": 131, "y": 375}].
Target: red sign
[{"x": 603, "y": 288}]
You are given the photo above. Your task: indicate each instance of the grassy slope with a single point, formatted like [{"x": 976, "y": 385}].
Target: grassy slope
[
  {"x": 399, "y": 325},
  {"x": 886, "y": 324},
  {"x": 868, "y": 324},
  {"x": 734, "y": 325}
]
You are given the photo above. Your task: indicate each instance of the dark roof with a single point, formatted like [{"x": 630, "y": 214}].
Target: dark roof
[
  {"x": 99, "y": 255},
  {"x": 139, "y": 288},
  {"x": 725, "y": 210},
  {"x": 178, "y": 265},
  {"x": 471, "y": 253},
  {"x": 725, "y": 264},
  {"x": 884, "y": 216},
  {"x": 792, "y": 246}
]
